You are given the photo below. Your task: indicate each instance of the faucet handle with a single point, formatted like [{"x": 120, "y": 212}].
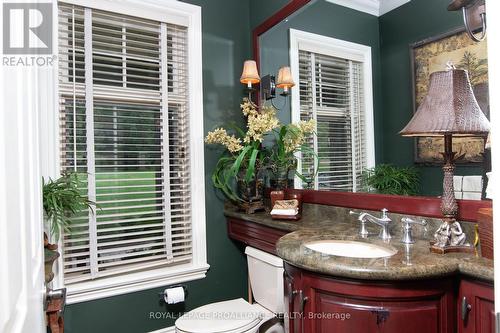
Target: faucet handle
[
  {"x": 407, "y": 221},
  {"x": 407, "y": 229},
  {"x": 384, "y": 212},
  {"x": 362, "y": 232}
]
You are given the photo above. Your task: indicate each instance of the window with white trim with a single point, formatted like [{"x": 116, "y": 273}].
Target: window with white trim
[
  {"x": 331, "y": 90},
  {"x": 125, "y": 122}
]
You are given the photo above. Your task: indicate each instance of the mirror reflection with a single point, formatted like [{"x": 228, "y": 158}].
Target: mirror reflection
[{"x": 361, "y": 75}]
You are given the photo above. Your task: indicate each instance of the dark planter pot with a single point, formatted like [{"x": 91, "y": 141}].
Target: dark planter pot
[
  {"x": 281, "y": 183},
  {"x": 50, "y": 256},
  {"x": 251, "y": 192},
  {"x": 280, "y": 179}
]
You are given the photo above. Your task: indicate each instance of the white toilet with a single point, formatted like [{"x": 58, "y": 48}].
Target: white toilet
[{"x": 237, "y": 315}]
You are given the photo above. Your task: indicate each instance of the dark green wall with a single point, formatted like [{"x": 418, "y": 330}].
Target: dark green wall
[
  {"x": 412, "y": 22},
  {"x": 226, "y": 43},
  {"x": 324, "y": 18}
]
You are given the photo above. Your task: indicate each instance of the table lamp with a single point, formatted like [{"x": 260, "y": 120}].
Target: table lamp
[{"x": 449, "y": 109}]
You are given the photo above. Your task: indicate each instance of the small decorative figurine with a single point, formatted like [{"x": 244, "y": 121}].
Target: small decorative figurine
[
  {"x": 442, "y": 235},
  {"x": 457, "y": 235}
]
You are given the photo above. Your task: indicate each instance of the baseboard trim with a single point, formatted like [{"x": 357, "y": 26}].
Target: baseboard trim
[{"x": 170, "y": 329}]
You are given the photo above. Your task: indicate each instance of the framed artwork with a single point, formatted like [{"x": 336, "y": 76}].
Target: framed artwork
[{"x": 432, "y": 55}]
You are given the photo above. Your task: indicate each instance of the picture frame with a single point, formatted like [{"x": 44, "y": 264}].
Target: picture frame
[{"x": 433, "y": 54}]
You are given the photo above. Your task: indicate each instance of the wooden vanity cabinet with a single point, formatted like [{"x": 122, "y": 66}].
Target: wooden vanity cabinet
[
  {"x": 326, "y": 304},
  {"x": 255, "y": 235},
  {"x": 475, "y": 307},
  {"x": 316, "y": 303}
]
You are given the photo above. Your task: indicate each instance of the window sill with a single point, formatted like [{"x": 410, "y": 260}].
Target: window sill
[{"x": 129, "y": 283}]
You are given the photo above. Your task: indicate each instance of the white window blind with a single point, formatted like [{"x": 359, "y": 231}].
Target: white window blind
[
  {"x": 331, "y": 91},
  {"x": 124, "y": 128}
]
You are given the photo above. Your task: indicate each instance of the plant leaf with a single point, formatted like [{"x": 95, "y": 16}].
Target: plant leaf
[{"x": 251, "y": 165}]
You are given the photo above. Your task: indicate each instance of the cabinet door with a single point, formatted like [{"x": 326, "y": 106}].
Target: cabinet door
[
  {"x": 325, "y": 313},
  {"x": 290, "y": 291},
  {"x": 476, "y": 307},
  {"x": 293, "y": 316},
  {"x": 414, "y": 317},
  {"x": 335, "y": 305}
]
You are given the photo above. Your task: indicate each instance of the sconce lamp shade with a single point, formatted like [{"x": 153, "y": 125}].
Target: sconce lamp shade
[
  {"x": 285, "y": 79},
  {"x": 250, "y": 75},
  {"x": 450, "y": 107}
]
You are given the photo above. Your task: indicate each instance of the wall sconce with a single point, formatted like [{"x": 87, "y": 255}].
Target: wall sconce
[
  {"x": 474, "y": 13},
  {"x": 268, "y": 83},
  {"x": 250, "y": 75}
]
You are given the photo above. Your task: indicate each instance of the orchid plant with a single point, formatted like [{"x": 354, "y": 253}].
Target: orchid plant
[
  {"x": 245, "y": 154},
  {"x": 290, "y": 141}
]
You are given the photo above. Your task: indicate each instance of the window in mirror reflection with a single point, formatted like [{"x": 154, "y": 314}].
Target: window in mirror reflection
[{"x": 332, "y": 91}]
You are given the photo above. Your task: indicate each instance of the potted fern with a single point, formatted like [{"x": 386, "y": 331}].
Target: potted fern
[
  {"x": 61, "y": 200},
  {"x": 390, "y": 179}
]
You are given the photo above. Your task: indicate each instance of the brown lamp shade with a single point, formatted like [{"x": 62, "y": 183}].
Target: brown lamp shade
[
  {"x": 250, "y": 75},
  {"x": 450, "y": 107},
  {"x": 285, "y": 79}
]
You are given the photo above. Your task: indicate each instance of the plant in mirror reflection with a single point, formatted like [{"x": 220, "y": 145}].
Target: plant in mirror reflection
[
  {"x": 390, "y": 179},
  {"x": 293, "y": 140}
]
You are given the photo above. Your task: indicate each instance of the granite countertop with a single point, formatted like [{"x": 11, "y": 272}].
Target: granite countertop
[{"x": 411, "y": 262}]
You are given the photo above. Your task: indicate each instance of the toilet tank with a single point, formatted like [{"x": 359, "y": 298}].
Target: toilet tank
[{"x": 266, "y": 278}]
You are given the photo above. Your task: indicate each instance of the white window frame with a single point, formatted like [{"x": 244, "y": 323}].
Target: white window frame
[
  {"x": 164, "y": 11},
  {"x": 306, "y": 41}
]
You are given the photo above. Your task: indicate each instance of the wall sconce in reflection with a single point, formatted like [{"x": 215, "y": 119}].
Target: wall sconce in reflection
[
  {"x": 268, "y": 83},
  {"x": 285, "y": 79},
  {"x": 474, "y": 13}
]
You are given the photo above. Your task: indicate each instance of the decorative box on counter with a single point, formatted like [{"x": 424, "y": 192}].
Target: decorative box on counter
[{"x": 289, "y": 208}]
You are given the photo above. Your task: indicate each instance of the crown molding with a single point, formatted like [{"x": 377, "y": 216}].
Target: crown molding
[
  {"x": 367, "y": 6},
  {"x": 388, "y": 5},
  {"x": 372, "y": 7}
]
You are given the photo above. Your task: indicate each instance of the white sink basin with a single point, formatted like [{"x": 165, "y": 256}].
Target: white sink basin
[{"x": 351, "y": 249}]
